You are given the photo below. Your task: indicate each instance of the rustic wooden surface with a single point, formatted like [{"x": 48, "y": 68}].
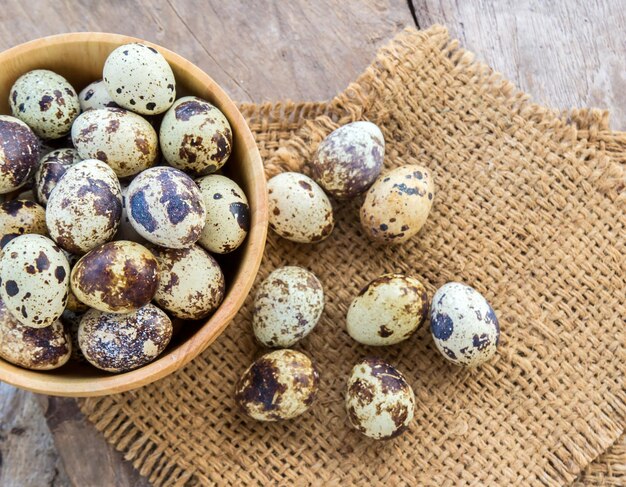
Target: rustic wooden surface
[{"x": 564, "y": 53}]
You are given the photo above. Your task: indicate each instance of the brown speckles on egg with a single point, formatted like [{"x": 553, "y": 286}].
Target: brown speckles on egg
[
  {"x": 51, "y": 169},
  {"x": 18, "y": 217},
  {"x": 19, "y": 153},
  {"x": 94, "y": 96}
]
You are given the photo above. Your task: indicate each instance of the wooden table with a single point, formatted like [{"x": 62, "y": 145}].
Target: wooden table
[{"x": 564, "y": 53}]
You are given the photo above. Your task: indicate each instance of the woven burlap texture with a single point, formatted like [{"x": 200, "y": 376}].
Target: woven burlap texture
[{"x": 529, "y": 210}]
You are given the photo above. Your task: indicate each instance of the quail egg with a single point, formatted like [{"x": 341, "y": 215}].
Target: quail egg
[
  {"x": 71, "y": 321},
  {"x": 18, "y": 217},
  {"x": 279, "y": 385},
  {"x": 464, "y": 325},
  {"x": 138, "y": 78},
  {"x": 299, "y": 210},
  {"x": 166, "y": 207},
  {"x": 85, "y": 208},
  {"x": 192, "y": 284},
  {"x": 19, "y": 153},
  {"x": 379, "y": 400},
  {"x": 94, "y": 96},
  {"x": 73, "y": 303},
  {"x": 51, "y": 169},
  {"x": 33, "y": 348},
  {"x": 227, "y": 214},
  {"x": 122, "y": 139},
  {"x": 397, "y": 205},
  {"x": 126, "y": 230},
  {"x": 122, "y": 342},
  {"x": 195, "y": 136},
  {"x": 117, "y": 277},
  {"x": 34, "y": 276},
  {"x": 46, "y": 102},
  {"x": 349, "y": 160},
  {"x": 288, "y": 305}
]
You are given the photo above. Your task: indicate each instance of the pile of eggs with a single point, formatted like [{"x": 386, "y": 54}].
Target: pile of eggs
[
  {"x": 379, "y": 400},
  {"x": 119, "y": 212}
]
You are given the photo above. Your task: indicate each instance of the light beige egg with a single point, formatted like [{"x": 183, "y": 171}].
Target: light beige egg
[
  {"x": 279, "y": 385},
  {"x": 85, "y": 208},
  {"x": 122, "y": 139},
  {"x": 34, "y": 275},
  {"x": 94, "y": 96},
  {"x": 397, "y": 205},
  {"x": 123, "y": 342},
  {"x": 192, "y": 284},
  {"x": 227, "y": 214},
  {"x": 388, "y": 310},
  {"x": 18, "y": 217},
  {"x": 51, "y": 169},
  {"x": 287, "y": 306},
  {"x": 138, "y": 78},
  {"x": 299, "y": 210},
  {"x": 195, "y": 136},
  {"x": 19, "y": 153},
  {"x": 33, "y": 348},
  {"x": 46, "y": 102},
  {"x": 379, "y": 401}
]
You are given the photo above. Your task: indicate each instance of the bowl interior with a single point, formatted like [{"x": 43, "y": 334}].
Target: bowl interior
[{"x": 80, "y": 58}]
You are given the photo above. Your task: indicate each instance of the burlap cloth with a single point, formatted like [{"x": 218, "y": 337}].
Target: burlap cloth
[{"x": 529, "y": 209}]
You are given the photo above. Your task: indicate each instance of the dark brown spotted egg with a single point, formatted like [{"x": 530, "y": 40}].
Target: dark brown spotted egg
[
  {"x": 85, "y": 208},
  {"x": 117, "y": 277},
  {"x": 227, "y": 214},
  {"x": 46, "y": 102},
  {"x": 94, "y": 96},
  {"x": 166, "y": 207},
  {"x": 122, "y": 139},
  {"x": 34, "y": 276},
  {"x": 195, "y": 136},
  {"x": 51, "y": 169},
  {"x": 18, "y": 217},
  {"x": 349, "y": 160},
  {"x": 71, "y": 322},
  {"x": 463, "y": 325},
  {"x": 288, "y": 305},
  {"x": 139, "y": 78},
  {"x": 73, "y": 303},
  {"x": 192, "y": 284},
  {"x": 279, "y": 385},
  {"x": 126, "y": 230},
  {"x": 19, "y": 153},
  {"x": 397, "y": 205},
  {"x": 388, "y": 310},
  {"x": 299, "y": 210},
  {"x": 33, "y": 348},
  {"x": 123, "y": 342},
  {"x": 379, "y": 401}
]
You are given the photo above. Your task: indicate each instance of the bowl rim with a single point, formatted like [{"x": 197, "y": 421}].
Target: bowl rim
[{"x": 46, "y": 382}]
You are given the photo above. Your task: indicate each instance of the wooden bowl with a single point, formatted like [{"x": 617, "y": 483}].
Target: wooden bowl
[{"x": 79, "y": 58}]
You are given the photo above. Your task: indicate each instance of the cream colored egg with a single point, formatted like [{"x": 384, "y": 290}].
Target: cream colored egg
[
  {"x": 85, "y": 208},
  {"x": 299, "y": 210},
  {"x": 51, "y": 169},
  {"x": 34, "y": 275},
  {"x": 94, "y": 96},
  {"x": 397, "y": 205},
  {"x": 379, "y": 401},
  {"x": 19, "y": 153},
  {"x": 288, "y": 305},
  {"x": 122, "y": 139},
  {"x": 18, "y": 217},
  {"x": 227, "y": 214}
]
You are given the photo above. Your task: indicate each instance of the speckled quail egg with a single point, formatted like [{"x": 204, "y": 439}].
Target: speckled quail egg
[
  {"x": 463, "y": 324},
  {"x": 85, "y": 208},
  {"x": 33, "y": 348},
  {"x": 71, "y": 321},
  {"x": 126, "y": 230},
  {"x": 227, "y": 214},
  {"x": 122, "y": 342},
  {"x": 19, "y": 153},
  {"x": 94, "y": 96},
  {"x": 195, "y": 136},
  {"x": 379, "y": 400},
  {"x": 388, "y": 310},
  {"x": 122, "y": 139},
  {"x": 117, "y": 277},
  {"x": 34, "y": 276},
  {"x": 192, "y": 284},
  {"x": 299, "y": 210},
  {"x": 397, "y": 205},
  {"x": 51, "y": 169},
  {"x": 138, "y": 78},
  {"x": 46, "y": 102},
  {"x": 349, "y": 160},
  {"x": 18, "y": 217},
  {"x": 279, "y": 385},
  {"x": 166, "y": 207},
  {"x": 73, "y": 303},
  {"x": 288, "y": 305}
]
